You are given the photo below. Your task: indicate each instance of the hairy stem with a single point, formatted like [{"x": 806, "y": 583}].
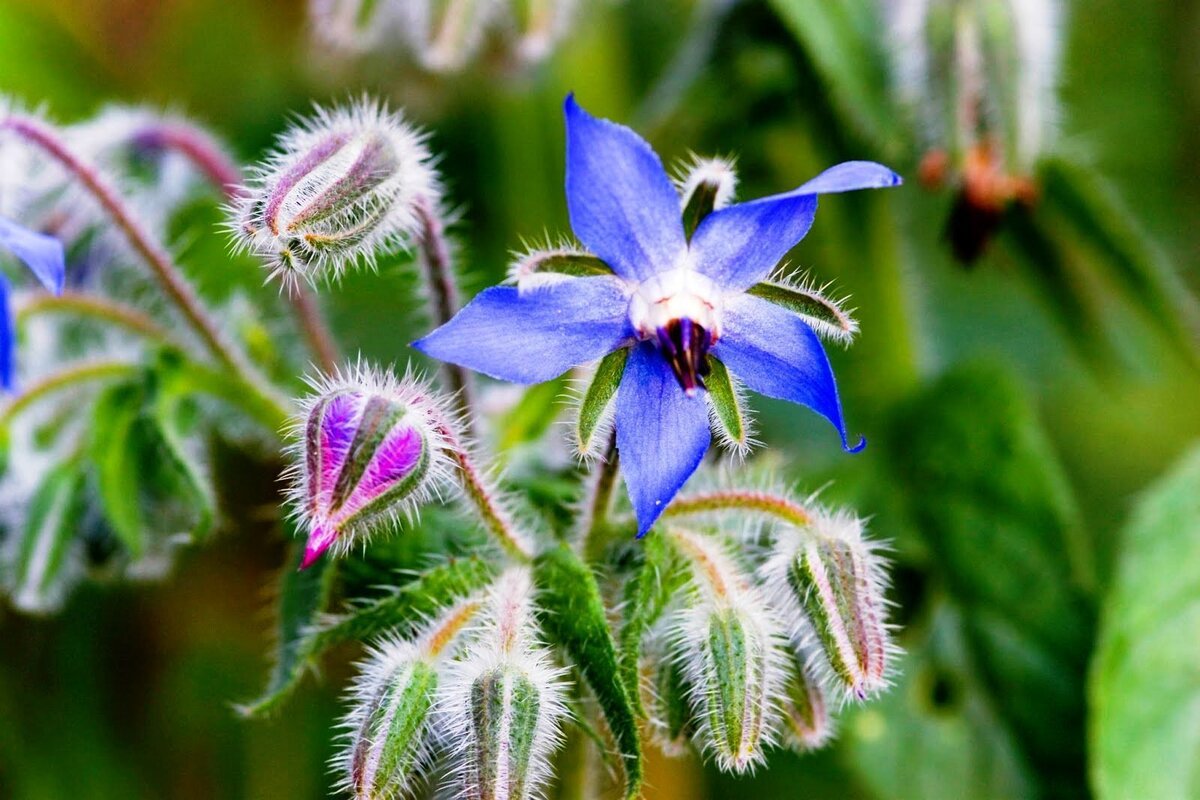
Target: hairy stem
[
  {"x": 169, "y": 278},
  {"x": 435, "y": 257},
  {"x": 484, "y": 496},
  {"x": 95, "y": 307},
  {"x": 211, "y": 160},
  {"x": 65, "y": 379},
  {"x": 599, "y": 498},
  {"x": 772, "y": 505}
]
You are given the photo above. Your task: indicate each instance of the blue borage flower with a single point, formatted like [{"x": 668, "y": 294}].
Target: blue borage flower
[
  {"x": 43, "y": 255},
  {"x": 674, "y": 302}
]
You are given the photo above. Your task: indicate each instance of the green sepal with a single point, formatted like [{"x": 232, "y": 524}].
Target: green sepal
[
  {"x": 730, "y": 413},
  {"x": 394, "y": 731},
  {"x": 596, "y": 399},
  {"x": 699, "y": 205},
  {"x": 808, "y": 303},
  {"x": 574, "y": 618},
  {"x": 555, "y": 262}
]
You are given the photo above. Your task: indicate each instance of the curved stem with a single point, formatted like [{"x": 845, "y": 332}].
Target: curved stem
[
  {"x": 443, "y": 292},
  {"x": 211, "y": 160},
  {"x": 72, "y": 376},
  {"x": 486, "y": 498},
  {"x": 100, "y": 308},
  {"x": 169, "y": 278},
  {"x": 772, "y": 505},
  {"x": 599, "y": 499}
]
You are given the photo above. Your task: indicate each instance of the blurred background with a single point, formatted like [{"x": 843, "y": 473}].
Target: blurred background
[{"x": 1017, "y": 406}]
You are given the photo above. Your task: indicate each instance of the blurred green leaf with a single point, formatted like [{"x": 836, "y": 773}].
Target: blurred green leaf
[
  {"x": 303, "y": 597},
  {"x": 50, "y": 528},
  {"x": 574, "y": 618},
  {"x": 532, "y": 416},
  {"x": 990, "y": 500},
  {"x": 1145, "y": 681},
  {"x": 840, "y": 36}
]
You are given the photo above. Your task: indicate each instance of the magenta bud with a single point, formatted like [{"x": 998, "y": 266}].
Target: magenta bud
[{"x": 369, "y": 451}]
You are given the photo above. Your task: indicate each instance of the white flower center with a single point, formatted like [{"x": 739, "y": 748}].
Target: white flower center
[{"x": 681, "y": 293}]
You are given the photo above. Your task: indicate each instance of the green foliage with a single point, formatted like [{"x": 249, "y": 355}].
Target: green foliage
[
  {"x": 730, "y": 413},
  {"x": 1145, "y": 680},
  {"x": 992, "y": 506},
  {"x": 656, "y": 578},
  {"x": 50, "y": 529},
  {"x": 574, "y": 619}
]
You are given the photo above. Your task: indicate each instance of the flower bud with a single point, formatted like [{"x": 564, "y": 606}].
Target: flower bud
[
  {"x": 731, "y": 656},
  {"x": 807, "y": 724},
  {"x": 705, "y": 185},
  {"x": 446, "y": 34},
  {"x": 340, "y": 188},
  {"x": 369, "y": 452},
  {"x": 671, "y": 723},
  {"x": 540, "y": 25},
  {"x": 389, "y": 724},
  {"x": 833, "y": 581},
  {"x": 504, "y": 703},
  {"x": 350, "y": 26}
]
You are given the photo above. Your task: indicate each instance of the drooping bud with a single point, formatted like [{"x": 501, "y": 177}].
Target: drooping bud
[
  {"x": 389, "y": 725},
  {"x": 540, "y": 25},
  {"x": 807, "y": 724},
  {"x": 369, "y": 453},
  {"x": 833, "y": 581},
  {"x": 504, "y": 703},
  {"x": 341, "y": 187},
  {"x": 705, "y": 185},
  {"x": 351, "y": 26},
  {"x": 731, "y": 656},
  {"x": 446, "y": 34}
]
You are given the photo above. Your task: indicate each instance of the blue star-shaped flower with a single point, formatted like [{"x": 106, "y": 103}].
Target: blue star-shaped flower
[
  {"x": 43, "y": 255},
  {"x": 674, "y": 302}
]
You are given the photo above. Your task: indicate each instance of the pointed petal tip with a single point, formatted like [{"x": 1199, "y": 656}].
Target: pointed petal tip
[
  {"x": 857, "y": 448},
  {"x": 318, "y": 542}
]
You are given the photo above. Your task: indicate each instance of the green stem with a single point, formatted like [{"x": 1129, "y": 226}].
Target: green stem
[
  {"x": 99, "y": 308},
  {"x": 771, "y": 505},
  {"x": 65, "y": 379},
  {"x": 600, "y": 494}
]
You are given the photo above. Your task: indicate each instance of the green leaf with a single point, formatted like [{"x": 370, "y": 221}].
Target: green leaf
[
  {"x": 826, "y": 316},
  {"x": 303, "y": 597},
  {"x": 840, "y": 37},
  {"x": 532, "y": 416},
  {"x": 996, "y": 513},
  {"x": 597, "y": 398},
  {"x": 656, "y": 579},
  {"x": 399, "y": 612},
  {"x": 51, "y": 523},
  {"x": 115, "y": 419},
  {"x": 730, "y": 412},
  {"x": 574, "y": 618},
  {"x": 1145, "y": 681},
  {"x": 1091, "y": 208}
]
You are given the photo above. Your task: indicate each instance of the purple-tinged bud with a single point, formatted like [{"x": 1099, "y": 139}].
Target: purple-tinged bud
[
  {"x": 369, "y": 453},
  {"x": 503, "y": 706},
  {"x": 340, "y": 188},
  {"x": 732, "y": 657},
  {"x": 389, "y": 727},
  {"x": 807, "y": 724},
  {"x": 832, "y": 580}
]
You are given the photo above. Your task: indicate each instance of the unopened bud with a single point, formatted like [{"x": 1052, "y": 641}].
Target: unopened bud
[
  {"x": 730, "y": 652},
  {"x": 671, "y": 722},
  {"x": 446, "y": 34},
  {"x": 540, "y": 24},
  {"x": 705, "y": 185},
  {"x": 350, "y": 26},
  {"x": 369, "y": 454},
  {"x": 504, "y": 703},
  {"x": 807, "y": 724},
  {"x": 341, "y": 188},
  {"x": 832, "y": 574},
  {"x": 389, "y": 723}
]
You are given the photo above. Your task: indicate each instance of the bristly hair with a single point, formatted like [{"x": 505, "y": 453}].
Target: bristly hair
[
  {"x": 334, "y": 140},
  {"x": 696, "y": 169},
  {"x": 508, "y": 644},
  {"x": 737, "y": 448},
  {"x": 720, "y": 586},
  {"x": 524, "y": 269},
  {"x": 438, "y": 640},
  {"x": 834, "y": 322},
  {"x": 844, "y": 526},
  {"x": 426, "y": 409}
]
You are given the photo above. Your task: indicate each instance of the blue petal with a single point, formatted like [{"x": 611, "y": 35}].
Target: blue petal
[
  {"x": 8, "y": 340},
  {"x": 738, "y": 246},
  {"x": 42, "y": 254},
  {"x": 775, "y": 353},
  {"x": 537, "y": 334},
  {"x": 662, "y": 434},
  {"x": 623, "y": 206}
]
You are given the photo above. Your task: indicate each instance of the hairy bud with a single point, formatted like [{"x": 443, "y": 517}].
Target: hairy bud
[
  {"x": 340, "y": 188},
  {"x": 389, "y": 724},
  {"x": 504, "y": 703},
  {"x": 369, "y": 452},
  {"x": 807, "y": 724},
  {"x": 446, "y": 34},
  {"x": 731, "y": 656},
  {"x": 833, "y": 581}
]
